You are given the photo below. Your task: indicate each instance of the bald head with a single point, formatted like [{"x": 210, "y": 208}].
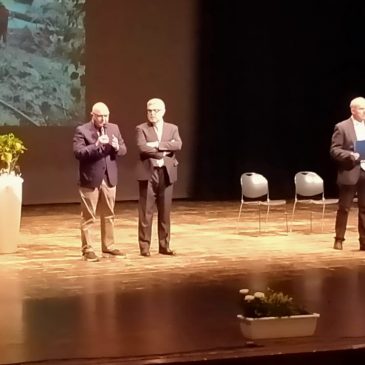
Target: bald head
[
  {"x": 100, "y": 114},
  {"x": 357, "y": 107},
  {"x": 155, "y": 110},
  {"x": 99, "y": 108}
]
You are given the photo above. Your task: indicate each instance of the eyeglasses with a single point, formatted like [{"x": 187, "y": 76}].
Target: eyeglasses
[
  {"x": 153, "y": 110},
  {"x": 101, "y": 115}
]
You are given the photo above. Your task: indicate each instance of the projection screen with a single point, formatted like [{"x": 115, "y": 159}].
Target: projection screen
[{"x": 42, "y": 62}]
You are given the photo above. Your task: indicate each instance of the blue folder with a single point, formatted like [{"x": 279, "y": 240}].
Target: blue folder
[{"x": 360, "y": 149}]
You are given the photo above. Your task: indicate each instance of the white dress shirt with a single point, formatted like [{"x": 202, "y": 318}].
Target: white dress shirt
[{"x": 158, "y": 129}]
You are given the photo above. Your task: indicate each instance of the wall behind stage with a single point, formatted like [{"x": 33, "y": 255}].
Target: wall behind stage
[
  {"x": 252, "y": 88},
  {"x": 135, "y": 50}
]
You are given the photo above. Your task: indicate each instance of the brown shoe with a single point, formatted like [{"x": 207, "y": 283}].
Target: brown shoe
[
  {"x": 90, "y": 256},
  {"x": 166, "y": 251},
  {"x": 113, "y": 253},
  {"x": 145, "y": 253},
  {"x": 337, "y": 245}
]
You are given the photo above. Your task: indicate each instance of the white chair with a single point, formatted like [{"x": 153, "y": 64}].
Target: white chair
[
  {"x": 255, "y": 192},
  {"x": 309, "y": 190}
]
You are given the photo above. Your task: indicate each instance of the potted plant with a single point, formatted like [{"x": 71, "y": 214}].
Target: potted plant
[
  {"x": 11, "y": 148},
  {"x": 274, "y": 314}
]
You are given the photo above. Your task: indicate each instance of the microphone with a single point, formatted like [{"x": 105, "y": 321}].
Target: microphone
[{"x": 102, "y": 130}]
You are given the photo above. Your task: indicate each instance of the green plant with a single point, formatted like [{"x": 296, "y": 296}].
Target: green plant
[
  {"x": 269, "y": 304},
  {"x": 11, "y": 148}
]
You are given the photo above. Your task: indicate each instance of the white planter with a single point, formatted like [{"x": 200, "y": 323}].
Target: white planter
[
  {"x": 276, "y": 327},
  {"x": 10, "y": 212}
]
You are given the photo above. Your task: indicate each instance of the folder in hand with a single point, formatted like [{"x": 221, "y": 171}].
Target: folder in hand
[{"x": 360, "y": 149}]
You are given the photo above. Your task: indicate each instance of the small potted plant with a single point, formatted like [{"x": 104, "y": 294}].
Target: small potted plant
[
  {"x": 11, "y": 148},
  {"x": 274, "y": 314}
]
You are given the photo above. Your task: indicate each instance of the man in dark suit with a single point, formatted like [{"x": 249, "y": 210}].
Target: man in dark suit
[
  {"x": 157, "y": 142},
  {"x": 351, "y": 170},
  {"x": 96, "y": 145}
]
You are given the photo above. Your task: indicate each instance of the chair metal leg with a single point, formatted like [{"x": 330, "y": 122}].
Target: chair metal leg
[
  {"x": 323, "y": 210},
  {"x": 267, "y": 213},
  {"x": 239, "y": 213},
  {"x": 311, "y": 218},
  {"x": 286, "y": 219},
  {"x": 239, "y": 216},
  {"x": 292, "y": 216}
]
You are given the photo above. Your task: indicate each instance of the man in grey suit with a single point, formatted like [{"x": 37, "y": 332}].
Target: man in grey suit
[
  {"x": 96, "y": 145},
  {"x": 157, "y": 143},
  {"x": 351, "y": 170}
]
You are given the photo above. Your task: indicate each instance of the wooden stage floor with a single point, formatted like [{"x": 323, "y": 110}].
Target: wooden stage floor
[{"x": 57, "y": 309}]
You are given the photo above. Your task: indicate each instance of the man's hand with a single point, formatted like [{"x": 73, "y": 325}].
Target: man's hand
[
  {"x": 152, "y": 144},
  {"x": 102, "y": 140},
  {"x": 355, "y": 155},
  {"x": 115, "y": 143}
]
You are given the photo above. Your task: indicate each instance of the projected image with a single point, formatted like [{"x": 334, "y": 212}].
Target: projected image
[{"x": 42, "y": 62}]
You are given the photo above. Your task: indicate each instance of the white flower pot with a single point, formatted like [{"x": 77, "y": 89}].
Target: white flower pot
[
  {"x": 10, "y": 212},
  {"x": 276, "y": 327}
]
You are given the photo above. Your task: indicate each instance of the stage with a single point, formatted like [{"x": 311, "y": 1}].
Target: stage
[{"x": 57, "y": 309}]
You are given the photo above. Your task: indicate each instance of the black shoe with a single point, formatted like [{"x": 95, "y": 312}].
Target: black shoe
[
  {"x": 113, "y": 252},
  {"x": 146, "y": 254},
  {"x": 166, "y": 251},
  {"x": 90, "y": 256},
  {"x": 338, "y": 245}
]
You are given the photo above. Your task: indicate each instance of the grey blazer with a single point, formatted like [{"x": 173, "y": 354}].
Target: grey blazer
[{"x": 170, "y": 142}]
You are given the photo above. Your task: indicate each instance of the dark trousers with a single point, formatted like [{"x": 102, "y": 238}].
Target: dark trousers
[
  {"x": 156, "y": 191},
  {"x": 346, "y": 196}
]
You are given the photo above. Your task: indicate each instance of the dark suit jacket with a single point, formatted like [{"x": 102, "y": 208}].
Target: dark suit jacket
[
  {"x": 170, "y": 142},
  {"x": 96, "y": 161},
  {"x": 343, "y": 143}
]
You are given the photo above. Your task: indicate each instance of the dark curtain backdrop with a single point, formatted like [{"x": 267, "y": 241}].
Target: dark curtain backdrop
[{"x": 274, "y": 78}]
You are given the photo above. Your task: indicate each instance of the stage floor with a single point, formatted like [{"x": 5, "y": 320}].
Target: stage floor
[{"x": 58, "y": 308}]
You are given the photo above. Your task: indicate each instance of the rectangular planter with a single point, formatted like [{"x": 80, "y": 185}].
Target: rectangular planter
[{"x": 276, "y": 327}]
